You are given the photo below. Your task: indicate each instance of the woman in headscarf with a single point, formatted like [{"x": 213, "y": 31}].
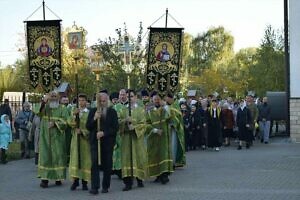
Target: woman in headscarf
[
  {"x": 5, "y": 136},
  {"x": 243, "y": 121}
]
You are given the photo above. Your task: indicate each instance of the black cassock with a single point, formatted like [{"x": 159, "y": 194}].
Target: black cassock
[
  {"x": 243, "y": 117},
  {"x": 214, "y": 127},
  {"x": 109, "y": 125}
]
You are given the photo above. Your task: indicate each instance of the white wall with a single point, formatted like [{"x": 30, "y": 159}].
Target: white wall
[{"x": 294, "y": 26}]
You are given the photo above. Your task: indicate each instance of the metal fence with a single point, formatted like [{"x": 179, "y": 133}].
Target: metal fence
[{"x": 16, "y": 105}]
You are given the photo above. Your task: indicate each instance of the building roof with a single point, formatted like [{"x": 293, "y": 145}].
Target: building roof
[{"x": 63, "y": 87}]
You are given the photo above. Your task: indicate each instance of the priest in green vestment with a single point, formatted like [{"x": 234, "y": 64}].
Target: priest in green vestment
[
  {"x": 52, "y": 146},
  {"x": 160, "y": 162},
  {"x": 117, "y": 163},
  {"x": 177, "y": 131},
  {"x": 64, "y": 100},
  {"x": 80, "y": 165},
  {"x": 133, "y": 151}
]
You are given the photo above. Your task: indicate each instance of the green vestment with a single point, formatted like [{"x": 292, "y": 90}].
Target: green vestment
[
  {"x": 177, "y": 125},
  {"x": 84, "y": 172},
  {"x": 133, "y": 143},
  {"x": 158, "y": 146},
  {"x": 117, "y": 165},
  {"x": 52, "y": 145}
]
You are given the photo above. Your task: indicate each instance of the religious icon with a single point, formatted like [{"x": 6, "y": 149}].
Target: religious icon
[
  {"x": 163, "y": 55},
  {"x": 75, "y": 40},
  {"x": 44, "y": 49}
]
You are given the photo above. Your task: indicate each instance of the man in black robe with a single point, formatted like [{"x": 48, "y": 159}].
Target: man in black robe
[{"x": 107, "y": 136}]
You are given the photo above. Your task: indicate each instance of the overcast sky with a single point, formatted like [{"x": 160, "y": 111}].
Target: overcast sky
[{"x": 244, "y": 19}]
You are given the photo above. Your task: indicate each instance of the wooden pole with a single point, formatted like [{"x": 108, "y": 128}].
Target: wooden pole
[{"x": 77, "y": 120}]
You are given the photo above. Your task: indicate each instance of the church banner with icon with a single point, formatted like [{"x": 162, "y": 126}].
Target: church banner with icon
[
  {"x": 164, "y": 59},
  {"x": 44, "y": 53}
]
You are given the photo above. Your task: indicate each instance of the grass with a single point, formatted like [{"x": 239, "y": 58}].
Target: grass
[{"x": 14, "y": 151}]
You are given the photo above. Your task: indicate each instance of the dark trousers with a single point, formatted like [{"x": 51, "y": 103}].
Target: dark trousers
[
  {"x": 195, "y": 138},
  {"x": 3, "y": 156},
  {"x": 203, "y": 136},
  {"x": 187, "y": 139},
  {"x": 106, "y": 164}
]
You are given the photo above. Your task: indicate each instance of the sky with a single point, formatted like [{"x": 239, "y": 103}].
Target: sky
[{"x": 246, "y": 20}]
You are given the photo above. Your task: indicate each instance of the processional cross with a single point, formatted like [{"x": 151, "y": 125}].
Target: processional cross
[{"x": 126, "y": 48}]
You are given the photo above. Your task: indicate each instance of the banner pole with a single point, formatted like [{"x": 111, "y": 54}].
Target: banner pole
[
  {"x": 44, "y": 14},
  {"x": 166, "y": 24}
]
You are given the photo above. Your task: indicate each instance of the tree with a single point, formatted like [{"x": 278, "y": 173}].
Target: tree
[
  {"x": 187, "y": 61},
  {"x": 212, "y": 50},
  {"x": 268, "y": 74},
  {"x": 238, "y": 69},
  {"x": 112, "y": 76}
]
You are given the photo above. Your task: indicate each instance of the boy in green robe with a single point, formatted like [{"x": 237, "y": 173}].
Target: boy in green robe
[
  {"x": 133, "y": 156},
  {"x": 117, "y": 163},
  {"x": 80, "y": 165}
]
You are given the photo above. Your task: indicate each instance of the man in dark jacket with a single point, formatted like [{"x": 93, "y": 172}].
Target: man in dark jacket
[
  {"x": 24, "y": 120},
  {"x": 106, "y": 134},
  {"x": 264, "y": 119}
]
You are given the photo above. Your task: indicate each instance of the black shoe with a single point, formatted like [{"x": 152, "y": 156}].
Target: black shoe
[
  {"x": 239, "y": 147},
  {"x": 104, "y": 190},
  {"x": 140, "y": 183},
  {"x": 94, "y": 191},
  {"x": 27, "y": 157},
  {"x": 127, "y": 188},
  {"x": 58, "y": 183},
  {"x": 247, "y": 146},
  {"x": 84, "y": 185},
  {"x": 75, "y": 184},
  {"x": 266, "y": 142},
  {"x": 44, "y": 184},
  {"x": 164, "y": 180},
  {"x": 261, "y": 141},
  {"x": 4, "y": 161},
  {"x": 157, "y": 180},
  {"x": 119, "y": 174}
]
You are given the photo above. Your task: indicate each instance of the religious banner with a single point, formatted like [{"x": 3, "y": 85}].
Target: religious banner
[
  {"x": 44, "y": 53},
  {"x": 164, "y": 59},
  {"x": 75, "y": 40}
]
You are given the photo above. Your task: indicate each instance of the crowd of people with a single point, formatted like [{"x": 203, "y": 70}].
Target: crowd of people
[
  {"x": 132, "y": 135},
  {"x": 213, "y": 123}
]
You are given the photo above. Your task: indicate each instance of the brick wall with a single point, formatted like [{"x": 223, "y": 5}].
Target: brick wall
[{"x": 295, "y": 119}]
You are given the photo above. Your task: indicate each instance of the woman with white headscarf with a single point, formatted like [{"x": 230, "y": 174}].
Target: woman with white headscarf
[
  {"x": 243, "y": 120},
  {"x": 5, "y": 136}
]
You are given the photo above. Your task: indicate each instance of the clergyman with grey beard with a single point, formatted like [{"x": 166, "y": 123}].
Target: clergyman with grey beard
[
  {"x": 107, "y": 136},
  {"x": 52, "y": 146}
]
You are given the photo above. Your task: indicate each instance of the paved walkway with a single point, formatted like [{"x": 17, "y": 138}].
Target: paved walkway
[{"x": 265, "y": 172}]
